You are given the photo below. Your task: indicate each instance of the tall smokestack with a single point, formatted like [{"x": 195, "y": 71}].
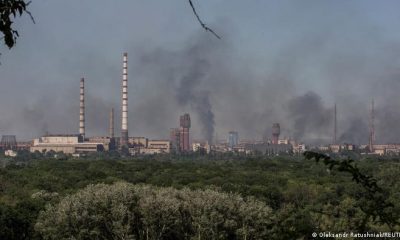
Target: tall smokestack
[
  {"x": 276, "y": 131},
  {"x": 111, "y": 127},
  {"x": 335, "y": 127},
  {"x": 82, "y": 109},
  {"x": 124, "y": 126},
  {"x": 371, "y": 128}
]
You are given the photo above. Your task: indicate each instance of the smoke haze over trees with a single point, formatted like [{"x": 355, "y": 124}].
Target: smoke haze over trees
[{"x": 285, "y": 62}]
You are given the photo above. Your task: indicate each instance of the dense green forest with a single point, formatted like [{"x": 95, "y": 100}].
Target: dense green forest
[{"x": 215, "y": 197}]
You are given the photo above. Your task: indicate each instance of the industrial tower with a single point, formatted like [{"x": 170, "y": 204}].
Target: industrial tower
[
  {"x": 82, "y": 109},
  {"x": 371, "y": 128},
  {"x": 124, "y": 118},
  {"x": 184, "y": 132},
  {"x": 111, "y": 124}
]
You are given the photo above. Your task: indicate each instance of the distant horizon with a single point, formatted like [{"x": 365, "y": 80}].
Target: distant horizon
[{"x": 278, "y": 61}]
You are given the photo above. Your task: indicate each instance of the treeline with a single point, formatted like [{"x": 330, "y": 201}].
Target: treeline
[{"x": 301, "y": 196}]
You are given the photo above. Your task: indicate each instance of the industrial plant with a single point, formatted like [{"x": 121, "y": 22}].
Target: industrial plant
[
  {"x": 181, "y": 141},
  {"x": 79, "y": 144}
]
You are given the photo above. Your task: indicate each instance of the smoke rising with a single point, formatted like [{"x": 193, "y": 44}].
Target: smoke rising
[
  {"x": 288, "y": 63},
  {"x": 188, "y": 93},
  {"x": 357, "y": 132},
  {"x": 190, "y": 73},
  {"x": 310, "y": 117}
]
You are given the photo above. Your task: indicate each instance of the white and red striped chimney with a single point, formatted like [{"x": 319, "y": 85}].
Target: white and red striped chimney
[
  {"x": 82, "y": 109},
  {"x": 124, "y": 126}
]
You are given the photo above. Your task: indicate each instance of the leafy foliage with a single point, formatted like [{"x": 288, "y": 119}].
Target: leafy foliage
[
  {"x": 9, "y": 9},
  {"x": 16, "y": 222},
  {"x": 374, "y": 198},
  {"x": 303, "y": 197},
  {"x": 126, "y": 211}
]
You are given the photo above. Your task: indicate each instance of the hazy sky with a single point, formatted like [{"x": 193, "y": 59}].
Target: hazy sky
[{"x": 278, "y": 61}]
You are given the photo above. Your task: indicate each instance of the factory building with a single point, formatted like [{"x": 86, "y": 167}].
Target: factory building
[
  {"x": 141, "y": 145},
  {"x": 233, "y": 139},
  {"x": 68, "y": 144},
  {"x": 335, "y": 148},
  {"x": 273, "y": 149},
  {"x": 299, "y": 148},
  {"x": 221, "y": 147},
  {"x": 386, "y": 149},
  {"x": 284, "y": 141},
  {"x": 201, "y": 147},
  {"x": 163, "y": 145},
  {"x": 243, "y": 147},
  {"x": 138, "y": 142},
  {"x": 108, "y": 143},
  {"x": 157, "y": 146}
]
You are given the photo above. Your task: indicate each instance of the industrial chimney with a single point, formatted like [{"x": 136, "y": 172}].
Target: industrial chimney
[
  {"x": 124, "y": 126},
  {"x": 111, "y": 127},
  {"x": 276, "y": 131},
  {"x": 82, "y": 109},
  {"x": 371, "y": 128}
]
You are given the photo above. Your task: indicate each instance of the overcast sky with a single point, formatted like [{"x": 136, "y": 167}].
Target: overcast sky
[{"x": 278, "y": 61}]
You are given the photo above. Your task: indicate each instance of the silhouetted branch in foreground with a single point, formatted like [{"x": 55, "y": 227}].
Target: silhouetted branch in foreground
[
  {"x": 377, "y": 206},
  {"x": 203, "y": 25},
  {"x": 9, "y": 9}
]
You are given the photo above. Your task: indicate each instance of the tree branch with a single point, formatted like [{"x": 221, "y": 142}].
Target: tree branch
[
  {"x": 381, "y": 207},
  {"x": 203, "y": 25}
]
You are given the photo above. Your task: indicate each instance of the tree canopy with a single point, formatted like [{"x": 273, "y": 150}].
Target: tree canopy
[{"x": 127, "y": 211}]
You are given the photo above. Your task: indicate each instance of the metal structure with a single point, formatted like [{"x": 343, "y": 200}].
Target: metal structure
[
  {"x": 124, "y": 118},
  {"x": 335, "y": 127},
  {"x": 276, "y": 131},
  {"x": 184, "y": 132},
  {"x": 371, "y": 128},
  {"x": 82, "y": 109}
]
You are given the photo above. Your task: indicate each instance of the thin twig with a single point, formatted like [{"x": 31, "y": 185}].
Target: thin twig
[
  {"x": 29, "y": 13},
  {"x": 201, "y": 22}
]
